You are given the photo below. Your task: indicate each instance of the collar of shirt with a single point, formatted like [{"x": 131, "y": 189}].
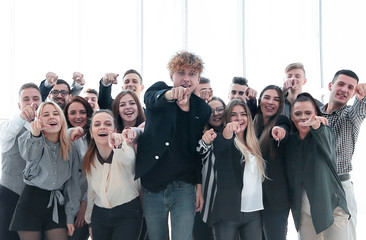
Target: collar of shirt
[
  {"x": 323, "y": 109},
  {"x": 101, "y": 160}
]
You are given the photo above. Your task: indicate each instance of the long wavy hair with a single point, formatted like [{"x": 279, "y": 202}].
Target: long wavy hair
[
  {"x": 115, "y": 109},
  {"x": 65, "y": 142},
  {"x": 262, "y": 130},
  {"x": 250, "y": 141},
  {"x": 90, "y": 153}
]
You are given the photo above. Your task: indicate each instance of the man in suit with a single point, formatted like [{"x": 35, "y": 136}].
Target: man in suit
[{"x": 167, "y": 161}]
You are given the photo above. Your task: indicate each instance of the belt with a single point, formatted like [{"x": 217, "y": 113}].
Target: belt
[{"x": 344, "y": 177}]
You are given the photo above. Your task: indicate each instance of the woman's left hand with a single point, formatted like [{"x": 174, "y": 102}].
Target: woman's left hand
[
  {"x": 315, "y": 122},
  {"x": 199, "y": 198}
]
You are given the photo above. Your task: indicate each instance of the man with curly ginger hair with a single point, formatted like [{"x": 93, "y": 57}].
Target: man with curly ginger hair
[{"x": 167, "y": 161}]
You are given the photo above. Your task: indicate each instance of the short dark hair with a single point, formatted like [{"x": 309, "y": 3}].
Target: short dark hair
[
  {"x": 91, "y": 90},
  {"x": 133, "y": 71},
  {"x": 61, "y": 81},
  {"x": 204, "y": 80},
  {"x": 240, "y": 81},
  {"x": 28, "y": 85},
  {"x": 346, "y": 72}
]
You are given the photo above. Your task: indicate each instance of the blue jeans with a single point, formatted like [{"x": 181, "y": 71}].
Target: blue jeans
[{"x": 179, "y": 199}]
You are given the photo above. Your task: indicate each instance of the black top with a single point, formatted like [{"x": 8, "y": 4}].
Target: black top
[
  {"x": 168, "y": 129},
  {"x": 177, "y": 162},
  {"x": 275, "y": 186}
]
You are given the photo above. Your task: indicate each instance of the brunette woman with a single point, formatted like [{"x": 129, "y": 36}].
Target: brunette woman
[
  {"x": 272, "y": 127},
  {"x": 200, "y": 229},
  {"x": 318, "y": 200},
  {"x": 128, "y": 111},
  {"x": 114, "y": 207},
  {"x": 78, "y": 113},
  {"x": 239, "y": 166},
  {"x": 50, "y": 176}
]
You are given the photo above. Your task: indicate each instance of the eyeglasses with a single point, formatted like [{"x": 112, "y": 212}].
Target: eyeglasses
[
  {"x": 218, "y": 110},
  {"x": 57, "y": 92},
  {"x": 233, "y": 92}
]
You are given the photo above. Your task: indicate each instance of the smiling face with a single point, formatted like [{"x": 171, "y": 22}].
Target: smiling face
[
  {"x": 270, "y": 103},
  {"x": 239, "y": 114},
  {"x": 301, "y": 112},
  {"x": 51, "y": 117},
  {"x": 187, "y": 78},
  {"x": 60, "y": 94},
  {"x": 128, "y": 110},
  {"x": 102, "y": 125},
  {"x": 29, "y": 96},
  {"x": 77, "y": 114},
  {"x": 132, "y": 82},
  {"x": 217, "y": 116},
  {"x": 92, "y": 99},
  {"x": 342, "y": 90}
]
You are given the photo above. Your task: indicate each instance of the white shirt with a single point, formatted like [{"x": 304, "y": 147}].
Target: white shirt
[
  {"x": 10, "y": 129},
  {"x": 251, "y": 194}
]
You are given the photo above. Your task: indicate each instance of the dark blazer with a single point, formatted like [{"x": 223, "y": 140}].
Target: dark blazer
[
  {"x": 275, "y": 186},
  {"x": 160, "y": 126},
  {"x": 229, "y": 170},
  {"x": 105, "y": 99},
  {"x": 311, "y": 164}
]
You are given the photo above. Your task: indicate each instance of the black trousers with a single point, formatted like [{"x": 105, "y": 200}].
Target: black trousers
[
  {"x": 8, "y": 202},
  {"x": 249, "y": 228},
  {"x": 121, "y": 222}
]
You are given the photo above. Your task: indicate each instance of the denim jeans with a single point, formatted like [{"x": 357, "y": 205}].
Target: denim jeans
[{"x": 178, "y": 198}]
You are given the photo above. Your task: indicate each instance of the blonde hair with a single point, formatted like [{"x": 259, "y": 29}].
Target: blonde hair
[
  {"x": 65, "y": 142},
  {"x": 185, "y": 60},
  {"x": 250, "y": 141}
]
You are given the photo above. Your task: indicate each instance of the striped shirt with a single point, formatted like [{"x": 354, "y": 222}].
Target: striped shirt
[
  {"x": 345, "y": 123},
  {"x": 209, "y": 187}
]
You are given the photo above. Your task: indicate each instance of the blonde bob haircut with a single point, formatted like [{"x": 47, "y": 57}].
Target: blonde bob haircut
[
  {"x": 250, "y": 141},
  {"x": 65, "y": 142}
]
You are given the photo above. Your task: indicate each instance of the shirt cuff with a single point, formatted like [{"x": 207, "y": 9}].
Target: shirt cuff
[
  {"x": 105, "y": 85},
  {"x": 47, "y": 84}
]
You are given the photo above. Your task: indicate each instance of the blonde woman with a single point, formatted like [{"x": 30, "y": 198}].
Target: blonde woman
[
  {"x": 50, "y": 198},
  {"x": 240, "y": 171}
]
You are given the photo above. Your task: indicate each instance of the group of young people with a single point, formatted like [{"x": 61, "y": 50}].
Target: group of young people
[{"x": 93, "y": 166}]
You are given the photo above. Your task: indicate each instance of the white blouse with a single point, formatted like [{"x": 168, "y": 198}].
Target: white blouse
[
  {"x": 251, "y": 194},
  {"x": 111, "y": 185}
]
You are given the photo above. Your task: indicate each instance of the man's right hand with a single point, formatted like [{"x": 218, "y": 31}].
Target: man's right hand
[
  {"x": 29, "y": 112},
  {"x": 110, "y": 78},
  {"x": 51, "y": 78}
]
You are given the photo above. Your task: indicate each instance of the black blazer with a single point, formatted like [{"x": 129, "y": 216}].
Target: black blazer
[
  {"x": 229, "y": 168},
  {"x": 105, "y": 99},
  {"x": 160, "y": 126}
]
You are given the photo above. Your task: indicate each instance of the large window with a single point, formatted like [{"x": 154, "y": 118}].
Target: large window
[{"x": 250, "y": 38}]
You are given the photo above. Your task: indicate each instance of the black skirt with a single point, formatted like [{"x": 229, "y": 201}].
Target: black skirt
[{"x": 32, "y": 214}]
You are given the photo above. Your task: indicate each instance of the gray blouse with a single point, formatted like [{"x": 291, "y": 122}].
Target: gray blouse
[{"x": 46, "y": 169}]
